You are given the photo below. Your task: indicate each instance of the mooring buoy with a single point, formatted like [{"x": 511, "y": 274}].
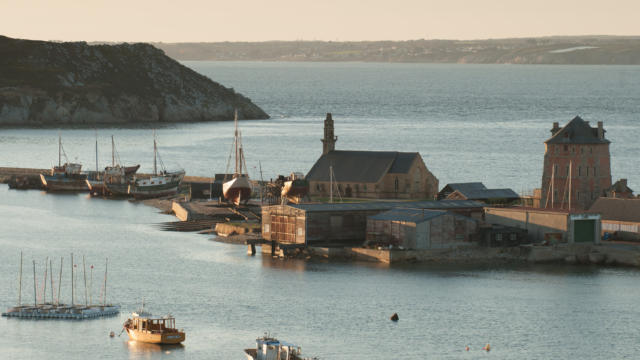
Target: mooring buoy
[{"x": 394, "y": 317}]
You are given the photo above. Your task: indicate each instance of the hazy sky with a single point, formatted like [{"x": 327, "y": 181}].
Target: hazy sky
[{"x": 344, "y": 20}]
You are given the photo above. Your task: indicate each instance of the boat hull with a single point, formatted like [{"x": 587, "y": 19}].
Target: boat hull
[
  {"x": 96, "y": 187},
  {"x": 156, "y": 338},
  {"x": 156, "y": 186},
  {"x": 237, "y": 190},
  {"x": 64, "y": 183}
]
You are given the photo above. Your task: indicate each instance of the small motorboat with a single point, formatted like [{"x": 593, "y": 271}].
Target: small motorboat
[{"x": 270, "y": 348}]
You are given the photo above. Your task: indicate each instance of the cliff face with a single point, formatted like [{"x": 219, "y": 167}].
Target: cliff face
[{"x": 47, "y": 83}]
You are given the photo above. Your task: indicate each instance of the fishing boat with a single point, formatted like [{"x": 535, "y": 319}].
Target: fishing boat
[
  {"x": 153, "y": 330},
  {"x": 64, "y": 177},
  {"x": 115, "y": 178},
  {"x": 163, "y": 183},
  {"x": 237, "y": 189},
  {"x": 295, "y": 187},
  {"x": 270, "y": 348}
]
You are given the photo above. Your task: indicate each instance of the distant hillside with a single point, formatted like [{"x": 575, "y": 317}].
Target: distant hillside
[
  {"x": 605, "y": 50},
  {"x": 50, "y": 83}
]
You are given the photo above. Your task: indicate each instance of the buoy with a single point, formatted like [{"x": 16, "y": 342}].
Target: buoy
[
  {"x": 487, "y": 347},
  {"x": 394, "y": 317},
  {"x": 112, "y": 334},
  {"x": 467, "y": 348}
]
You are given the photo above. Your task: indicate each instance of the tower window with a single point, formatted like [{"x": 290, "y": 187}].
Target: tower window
[{"x": 566, "y": 148}]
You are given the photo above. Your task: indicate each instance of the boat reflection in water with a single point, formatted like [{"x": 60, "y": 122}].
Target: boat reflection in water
[{"x": 137, "y": 347}]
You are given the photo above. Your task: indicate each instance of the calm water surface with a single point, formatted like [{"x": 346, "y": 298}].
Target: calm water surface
[{"x": 470, "y": 123}]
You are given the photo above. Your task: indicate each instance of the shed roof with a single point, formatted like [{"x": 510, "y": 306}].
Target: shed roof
[
  {"x": 577, "y": 131},
  {"x": 360, "y": 166},
  {"x": 385, "y": 205},
  {"x": 617, "y": 209},
  {"x": 477, "y": 191},
  {"x": 408, "y": 215}
]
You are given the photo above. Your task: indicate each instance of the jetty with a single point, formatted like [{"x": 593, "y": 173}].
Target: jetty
[{"x": 54, "y": 309}]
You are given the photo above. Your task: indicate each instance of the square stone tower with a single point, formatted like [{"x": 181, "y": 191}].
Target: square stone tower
[
  {"x": 329, "y": 141},
  {"x": 577, "y": 166}
]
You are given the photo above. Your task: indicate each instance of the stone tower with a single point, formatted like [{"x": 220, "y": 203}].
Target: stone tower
[
  {"x": 329, "y": 141},
  {"x": 577, "y": 166}
]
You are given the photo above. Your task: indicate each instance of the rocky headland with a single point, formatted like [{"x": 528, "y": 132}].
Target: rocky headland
[{"x": 73, "y": 83}]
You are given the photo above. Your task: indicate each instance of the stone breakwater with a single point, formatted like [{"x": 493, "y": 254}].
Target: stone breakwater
[{"x": 45, "y": 83}]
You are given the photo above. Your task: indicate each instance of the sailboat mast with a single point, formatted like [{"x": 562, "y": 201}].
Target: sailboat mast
[
  {"x": 104, "y": 299},
  {"x": 84, "y": 272},
  {"x": 59, "y": 150},
  {"x": 44, "y": 286},
  {"x": 35, "y": 291},
  {"x": 20, "y": 282},
  {"x": 59, "y": 282},
  {"x": 51, "y": 277},
  {"x": 72, "y": 292}
]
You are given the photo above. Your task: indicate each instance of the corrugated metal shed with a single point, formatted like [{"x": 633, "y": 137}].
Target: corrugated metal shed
[
  {"x": 384, "y": 205},
  {"x": 408, "y": 215}
]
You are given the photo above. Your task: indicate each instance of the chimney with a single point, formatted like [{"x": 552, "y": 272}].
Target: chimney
[
  {"x": 600, "y": 131},
  {"x": 555, "y": 129}
]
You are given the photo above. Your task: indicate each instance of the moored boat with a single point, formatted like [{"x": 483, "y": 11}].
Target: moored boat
[
  {"x": 116, "y": 178},
  {"x": 64, "y": 177},
  {"x": 163, "y": 183},
  {"x": 237, "y": 189},
  {"x": 270, "y": 348},
  {"x": 153, "y": 330}
]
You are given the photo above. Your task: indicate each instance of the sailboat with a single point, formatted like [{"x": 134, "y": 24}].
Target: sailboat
[
  {"x": 161, "y": 183},
  {"x": 64, "y": 177},
  {"x": 238, "y": 188}
]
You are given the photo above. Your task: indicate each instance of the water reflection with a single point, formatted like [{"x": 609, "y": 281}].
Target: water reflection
[{"x": 137, "y": 349}]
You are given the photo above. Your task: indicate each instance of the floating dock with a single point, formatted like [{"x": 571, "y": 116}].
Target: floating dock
[{"x": 51, "y": 311}]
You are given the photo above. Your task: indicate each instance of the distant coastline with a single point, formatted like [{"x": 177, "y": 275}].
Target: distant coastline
[{"x": 569, "y": 50}]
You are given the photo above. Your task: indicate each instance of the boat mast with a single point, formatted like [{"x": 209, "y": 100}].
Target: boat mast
[
  {"x": 113, "y": 152},
  {"x": 44, "y": 286},
  {"x": 235, "y": 141},
  {"x": 72, "y": 292},
  {"x": 59, "y": 150},
  {"x": 20, "y": 282},
  {"x": 59, "y": 282},
  {"x": 570, "y": 171},
  {"x": 35, "y": 291},
  {"x": 96, "y": 153},
  {"x": 91, "y": 287},
  {"x": 104, "y": 298},
  {"x": 155, "y": 154},
  {"x": 51, "y": 277},
  {"x": 84, "y": 272}
]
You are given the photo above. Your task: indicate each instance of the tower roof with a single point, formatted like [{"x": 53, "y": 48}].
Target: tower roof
[{"x": 577, "y": 131}]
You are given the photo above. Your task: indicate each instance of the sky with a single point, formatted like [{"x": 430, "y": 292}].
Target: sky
[{"x": 329, "y": 20}]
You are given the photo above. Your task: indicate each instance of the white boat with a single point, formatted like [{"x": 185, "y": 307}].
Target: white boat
[
  {"x": 270, "y": 348},
  {"x": 238, "y": 188}
]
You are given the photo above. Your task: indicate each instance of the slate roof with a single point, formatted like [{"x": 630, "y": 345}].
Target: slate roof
[
  {"x": 387, "y": 205},
  {"x": 408, "y": 215},
  {"x": 477, "y": 191},
  {"x": 620, "y": 186},
  {"x": 617, "y": 209},
  {"x": 360, "y": 166},
  {"x": 577, "y": 131}
]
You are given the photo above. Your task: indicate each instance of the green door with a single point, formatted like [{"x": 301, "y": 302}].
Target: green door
[{"x": 584, "y": 230}]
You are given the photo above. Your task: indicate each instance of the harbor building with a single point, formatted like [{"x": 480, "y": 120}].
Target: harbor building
[
  {"x": 369, "y": 174},
  {"x": 620, "y": 217},
  {"x": 343, "y": 224},
  {"x": 620, "y": 190},
  {"x": 577, "y": 167},
  {"x": 550, "y": 225},
  {"x": 478, "y": 192},
  {"x": 420, "y": 229}
]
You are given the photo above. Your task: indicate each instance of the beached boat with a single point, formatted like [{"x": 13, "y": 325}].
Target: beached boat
[
  {"x": 295, "y": 187},
  {"x": 163, "y": 183},
  {"x": 119, "y": 177},
  {"x": 153, "y": 330},
  {"x": 64, "y": 177},
  {"x": 237, "y": 189},
  {"x": 270, "y": 348}
]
